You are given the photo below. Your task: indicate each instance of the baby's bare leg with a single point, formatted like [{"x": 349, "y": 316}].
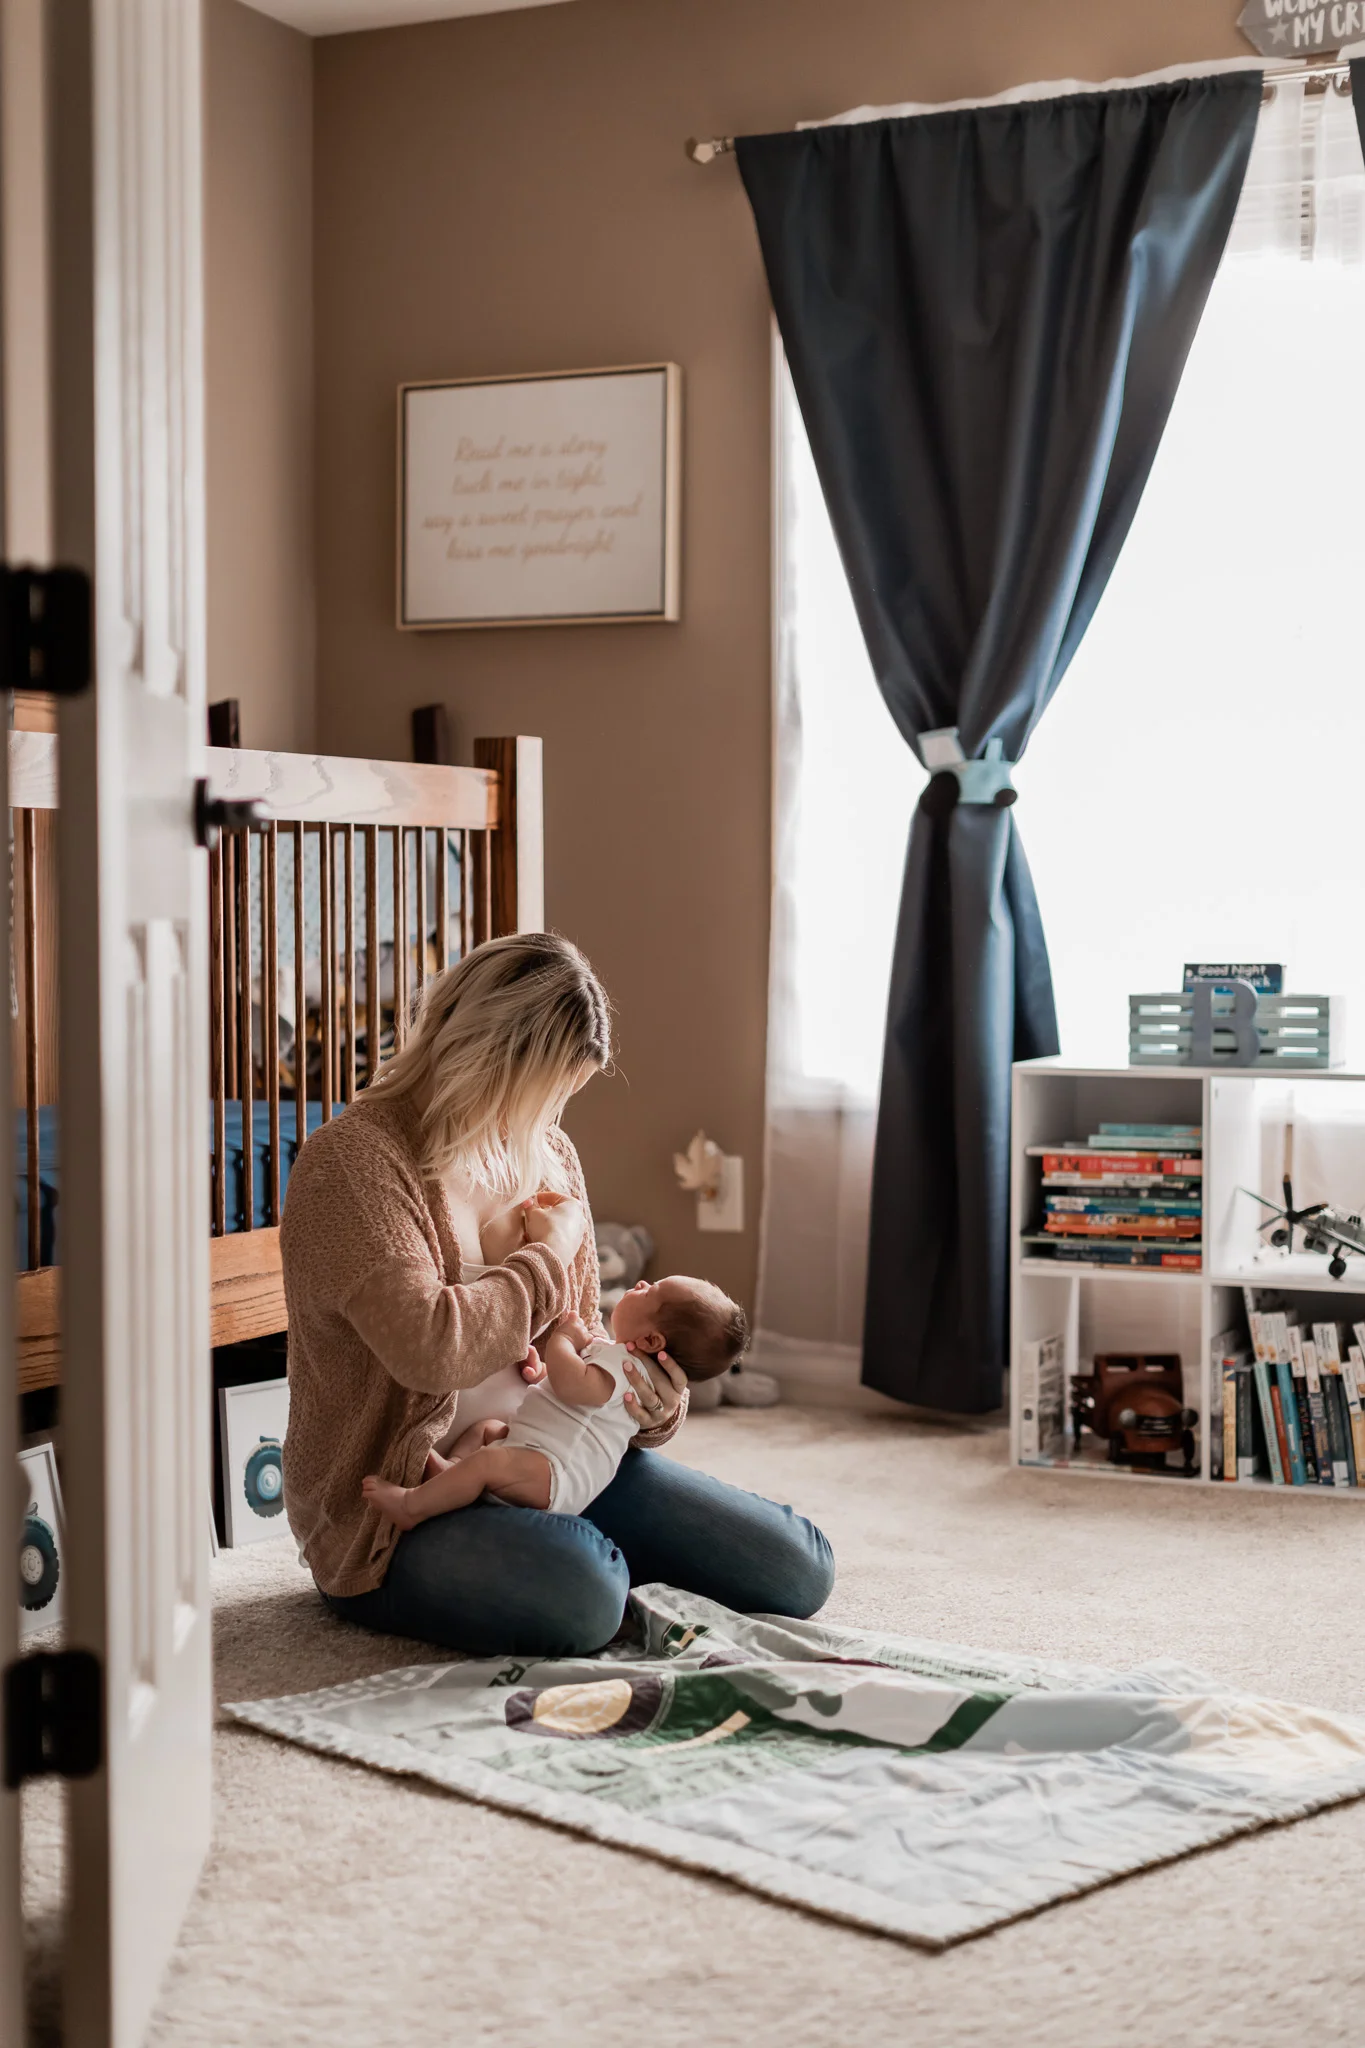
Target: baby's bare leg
[{"x": 513, "y": 1475}]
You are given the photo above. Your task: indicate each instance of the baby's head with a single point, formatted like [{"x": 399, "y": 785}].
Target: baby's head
[{"x": 689, "y": 1319}]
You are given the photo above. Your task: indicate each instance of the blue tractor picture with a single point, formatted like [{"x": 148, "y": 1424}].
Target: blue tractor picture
[{"x": 263, "y": 1480}]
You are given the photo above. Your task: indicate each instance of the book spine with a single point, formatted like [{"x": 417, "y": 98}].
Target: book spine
[
  {"x": 1281, "y": 1430},
  {"x": 1182, "y": 1148},
  {"x": 1120, "y": 1204},
  {"x": 1110, "y": 1131},
  {"x": 1310, "y": 1456},
  {"x": 1246, "y": 1428},
  {"x": 1176, "y": 1184},
  {"x": 1117, "y": 1253},
  {"x": 1338, "y": 1428},
  {"x": 1261, "y": 1371},
  {"x": 1317, "y": 1408},
  {"x": 1120, "y": 1225},
  {"x": 1353, "y": 1380},
  {"x": 1028, "y": 1400},
  {"x": 1121, "y": 1162},
  {"x": 1230, "y": 1465},
  {"x": 1289, "y": 1413}
]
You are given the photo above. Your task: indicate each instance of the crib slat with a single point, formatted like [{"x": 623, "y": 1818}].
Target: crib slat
[
  {"x": 483, "y": 888},
  {"x": 466, "y": 896},
  {"x": 348, "y": 1076},
  {"x": 300, "y": 999},
  {"x": 400, "y": 938},
  {"x": 421, "y": 843},
  {"x": 230, "y": 959},
  {"x": 270, "y": 1004},
  {"x": 327, "y": 946},
  {"x": 246, "y": 1075},
  {"x": 217, "y": 1039},
  {"x": 442, "y": 899},
  {"x": 28, "y": 894},
  {"x": 374, "y": 1005}
]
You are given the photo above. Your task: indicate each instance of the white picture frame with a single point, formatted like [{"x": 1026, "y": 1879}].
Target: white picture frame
[
  {"x": 41, "y": 1539},
  {"x": 253, "y": 1420},
  {"x": 548, "y": 500}
]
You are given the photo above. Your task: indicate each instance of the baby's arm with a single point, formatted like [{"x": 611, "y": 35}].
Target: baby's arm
[{"x": 571, "y": 1377}]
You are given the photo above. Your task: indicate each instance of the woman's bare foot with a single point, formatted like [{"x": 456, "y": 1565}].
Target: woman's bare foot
[{"x": 391, "y": 1500}]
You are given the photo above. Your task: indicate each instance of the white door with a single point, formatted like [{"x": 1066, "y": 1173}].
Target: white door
[{"x": 133, "y": 990}]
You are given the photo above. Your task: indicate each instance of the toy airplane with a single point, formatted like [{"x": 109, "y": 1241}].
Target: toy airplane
[{"x": 1325, "y": 1228}]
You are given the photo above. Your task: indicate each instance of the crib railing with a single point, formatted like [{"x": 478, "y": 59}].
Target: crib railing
[{"x": 326, "y": 919}]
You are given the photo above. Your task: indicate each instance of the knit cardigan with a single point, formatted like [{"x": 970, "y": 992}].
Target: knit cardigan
[{"x": 383, "y": 1332}]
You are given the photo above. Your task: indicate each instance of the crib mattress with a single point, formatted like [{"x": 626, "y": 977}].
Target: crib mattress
[{"x": 49, "y": 1177}]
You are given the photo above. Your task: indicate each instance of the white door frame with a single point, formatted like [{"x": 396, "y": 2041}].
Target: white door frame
[{"x": 25, "y": 536}]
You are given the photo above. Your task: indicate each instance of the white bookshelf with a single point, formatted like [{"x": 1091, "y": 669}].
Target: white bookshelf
[{"x": 1107, "y": 1308}]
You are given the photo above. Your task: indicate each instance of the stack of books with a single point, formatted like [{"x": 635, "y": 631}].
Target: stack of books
[
  {"x": 1128, "y": 1195},
  {"x": 1293, "y": 1402}
]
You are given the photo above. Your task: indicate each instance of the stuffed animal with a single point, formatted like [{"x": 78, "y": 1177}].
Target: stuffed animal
[{"x": 623, "y": 1252}]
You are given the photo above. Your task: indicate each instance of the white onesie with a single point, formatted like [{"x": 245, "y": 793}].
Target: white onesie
[{"x": 584, "y": 1446}]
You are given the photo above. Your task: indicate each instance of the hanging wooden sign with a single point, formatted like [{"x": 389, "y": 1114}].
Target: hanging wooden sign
[{"x": 1302, "y": 28}]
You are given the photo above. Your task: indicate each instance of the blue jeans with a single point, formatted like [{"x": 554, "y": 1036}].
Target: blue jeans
[{"x": 493, "y": 1580}]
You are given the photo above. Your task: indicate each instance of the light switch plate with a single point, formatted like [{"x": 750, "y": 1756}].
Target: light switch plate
[{"x": 726, "y": 1209}]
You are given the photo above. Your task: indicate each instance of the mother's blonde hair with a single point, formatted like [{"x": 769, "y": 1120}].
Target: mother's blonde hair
[{"x": 497, "y": 1047}]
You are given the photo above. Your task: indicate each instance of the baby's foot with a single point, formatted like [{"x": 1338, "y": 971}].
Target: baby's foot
[
  {"x": 391, "y": 1500},
  {"x": 436, "y": 1464},
  {"x": 477, "y": 1437}
]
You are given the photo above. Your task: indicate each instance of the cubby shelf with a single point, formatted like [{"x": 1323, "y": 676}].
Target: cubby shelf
[{"x": 1242, "y": 1114}]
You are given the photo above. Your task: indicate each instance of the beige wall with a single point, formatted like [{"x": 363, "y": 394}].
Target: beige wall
[
  {"x": 259, "y": 349},
  {"x": 510, "y": 193}
]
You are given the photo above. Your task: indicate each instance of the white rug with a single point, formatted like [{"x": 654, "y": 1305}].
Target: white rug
[{"x": 914, "y": 1788}]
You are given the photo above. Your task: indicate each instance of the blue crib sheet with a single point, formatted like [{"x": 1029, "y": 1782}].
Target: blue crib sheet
[{"x": 49, "y": 1178}]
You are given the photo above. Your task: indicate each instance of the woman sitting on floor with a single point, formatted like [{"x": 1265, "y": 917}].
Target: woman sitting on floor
[{"x": 392, "y": 1313}]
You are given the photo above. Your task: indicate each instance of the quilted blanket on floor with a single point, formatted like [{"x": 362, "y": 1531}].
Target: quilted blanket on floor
[{"x": 922, "y": 1790}]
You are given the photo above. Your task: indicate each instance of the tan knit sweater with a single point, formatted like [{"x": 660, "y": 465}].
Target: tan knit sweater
[{"x": 382, "y": 1334}]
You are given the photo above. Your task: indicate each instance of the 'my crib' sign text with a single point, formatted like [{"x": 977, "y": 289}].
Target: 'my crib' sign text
[{"x": 1296, "y": 28}]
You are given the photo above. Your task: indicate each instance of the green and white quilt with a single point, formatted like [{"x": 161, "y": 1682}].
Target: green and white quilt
[{"x": 922, "y": 1790}]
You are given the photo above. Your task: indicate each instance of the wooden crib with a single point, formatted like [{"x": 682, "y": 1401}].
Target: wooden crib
[{"x": 360, "y": 880}]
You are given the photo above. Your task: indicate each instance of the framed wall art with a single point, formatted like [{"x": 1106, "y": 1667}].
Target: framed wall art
[
  {"x": 253, "y": 1422},
  {"x": 540, "y": 501}
]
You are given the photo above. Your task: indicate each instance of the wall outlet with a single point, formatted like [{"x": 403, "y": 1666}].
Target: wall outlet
[{"x": 725, "y": 1210}]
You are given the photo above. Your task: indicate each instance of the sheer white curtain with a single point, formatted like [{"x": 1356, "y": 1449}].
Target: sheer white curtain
[{"x": 1195, "y": 790}]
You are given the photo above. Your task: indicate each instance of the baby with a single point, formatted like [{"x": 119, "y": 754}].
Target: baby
[{"x": 572, "y": 1429}]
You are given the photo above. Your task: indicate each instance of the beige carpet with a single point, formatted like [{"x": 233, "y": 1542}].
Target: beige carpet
[{"x": 345, "y": 1908}]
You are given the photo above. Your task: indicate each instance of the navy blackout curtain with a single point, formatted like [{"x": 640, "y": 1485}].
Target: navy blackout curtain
[{"x": 986, "y": 314}]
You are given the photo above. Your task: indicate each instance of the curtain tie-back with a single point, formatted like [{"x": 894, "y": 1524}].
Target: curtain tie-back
[{"x": 955, "y": 780}]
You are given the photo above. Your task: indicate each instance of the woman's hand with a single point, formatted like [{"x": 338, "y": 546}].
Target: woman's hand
[
  {"x": 559, "y": 1223},
  {"x": 646, "y": 1405}
]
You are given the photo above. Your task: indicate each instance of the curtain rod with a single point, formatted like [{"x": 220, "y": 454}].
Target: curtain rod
[{"x": 1315, "y": 76}]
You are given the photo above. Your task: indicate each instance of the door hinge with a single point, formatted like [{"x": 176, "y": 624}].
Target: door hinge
[
  {"x": 54, "y": 1716},
  {"x": 45, "y": 630}
]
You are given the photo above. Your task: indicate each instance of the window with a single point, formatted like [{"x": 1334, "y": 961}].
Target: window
[{"x": 1197, "y": 787}]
